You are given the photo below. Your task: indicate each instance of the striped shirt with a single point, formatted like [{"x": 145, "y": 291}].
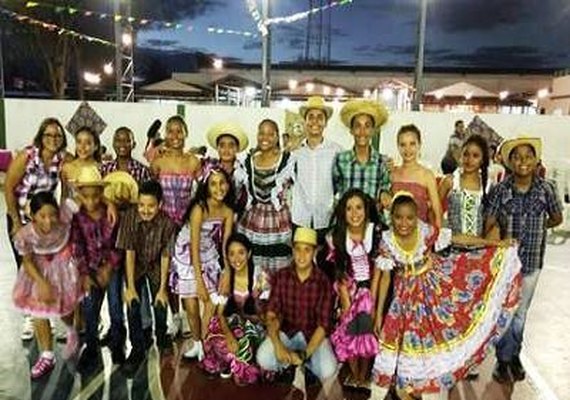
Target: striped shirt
[{"x": 136, "y": 169}]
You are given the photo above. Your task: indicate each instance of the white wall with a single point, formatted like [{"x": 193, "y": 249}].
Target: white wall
[{"x": 24, "y": 116}]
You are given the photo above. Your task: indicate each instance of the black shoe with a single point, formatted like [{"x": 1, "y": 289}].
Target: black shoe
[
  {"x": 89, "y": 360},
  {"x": 133, "y": 363},
  {"x": 286, "y": 376},
  {"x": 502, "y": 373},
  {"x": 164, "y": 345},
  {"x": 517, "y": 369},
  {"x": 105, "y": 340},
  {"x": 118, "y": 355}
]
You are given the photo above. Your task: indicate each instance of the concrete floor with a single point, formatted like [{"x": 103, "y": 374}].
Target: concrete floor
[{"x": 546, "y": 355}]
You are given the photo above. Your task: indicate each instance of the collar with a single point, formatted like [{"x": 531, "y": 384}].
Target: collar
[
  {"x": 367, "y": 241},
  {"x": 374, "y": 156}
]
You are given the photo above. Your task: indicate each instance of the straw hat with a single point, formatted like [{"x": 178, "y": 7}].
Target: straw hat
[
  {"x": 120, "y": 186},
  {"x": 352, "y": 108},
  {"x": 227, "y": 128},
  {"x": 305, "y": 235},
  {"x": 509, "y": 145},
  {"x": 315, "y": 102},
  {"x": 88, "y": 176}
]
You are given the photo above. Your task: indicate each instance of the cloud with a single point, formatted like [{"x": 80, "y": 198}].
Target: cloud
[
  {"x": 252, "y": 45},
  {"x": 160, "y": 43},
  {"x": 495, "y": 57}
]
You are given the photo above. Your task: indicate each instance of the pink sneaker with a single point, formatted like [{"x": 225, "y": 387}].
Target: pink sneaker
[
  {"x": 71, "y": 344},
  {"x": 43, "y": 366}
]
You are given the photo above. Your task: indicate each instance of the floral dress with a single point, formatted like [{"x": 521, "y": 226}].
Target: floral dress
[
  {"x": 52, "y": 254},
  {"x": 446, "y": 311},
  {"x": 354, "y": 336}
]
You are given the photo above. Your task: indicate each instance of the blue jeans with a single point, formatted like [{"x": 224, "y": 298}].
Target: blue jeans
[
  {"x": 91, "y": 308},
  {"x": 510, "y": 344},
  {"x": 116, "y": 310},
  {"x": 322, "y": 362}
]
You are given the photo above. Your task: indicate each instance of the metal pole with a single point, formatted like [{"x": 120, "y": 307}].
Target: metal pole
[
  {"x": 418, "y": 78},
  {"x": 118, "y": 54},
  {"x": 266, "y": 57}
]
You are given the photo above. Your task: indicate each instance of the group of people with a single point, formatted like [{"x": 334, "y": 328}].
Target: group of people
[{"x": 314, "y": 257}]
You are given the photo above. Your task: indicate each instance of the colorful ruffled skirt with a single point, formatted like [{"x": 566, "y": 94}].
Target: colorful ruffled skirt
[
  {"x": 445, "y": 317},
  {"x": 354, "y": 336},
  {"x": 61, "y": 272},
  {"x": 219, "y": 359}
]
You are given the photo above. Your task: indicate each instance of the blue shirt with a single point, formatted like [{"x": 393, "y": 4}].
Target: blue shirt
[{"x": 523, "y": 216}]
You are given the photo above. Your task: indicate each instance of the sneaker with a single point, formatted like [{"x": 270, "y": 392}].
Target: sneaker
[
  {"x": 502, "y": 373},
  {"x": 89, "y": 360},
  {"x": 196, "y": 351},
  {"x": 71, "y": 344},
  {"x": 517, "y": 369},
  {"x": 27, "y": 328},
  {"x": 43, "y": 366},
  {"x": 226, "y": 374}
]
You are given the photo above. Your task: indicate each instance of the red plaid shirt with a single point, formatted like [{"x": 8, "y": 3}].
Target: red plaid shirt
[{"x": 301, "y": 306}]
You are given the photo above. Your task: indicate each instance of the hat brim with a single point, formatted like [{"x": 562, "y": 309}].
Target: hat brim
[
  {"x": 216, "y": 132},
  {"x": 377, "y": 111},
  {"x": 121, "y": 178},
  {"x": 510, "y": 144},
  {"x": 303, "y": 110},
  {"x": 90, "y": 184}
]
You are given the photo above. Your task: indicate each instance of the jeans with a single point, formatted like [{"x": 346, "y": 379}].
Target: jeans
[
  {"x": 116, "y": 311},
  {"x": 135, "y": 318},
  {"x": 322, "y": 362},
  {"x": 510, "y": 344},
  {"x": 91, "y": 308}
]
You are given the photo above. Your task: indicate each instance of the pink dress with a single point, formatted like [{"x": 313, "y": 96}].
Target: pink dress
[
  {"x": 420, "y": 195},
  {"x": 354, "y": 336},
  {"x": 52, "y": 255}
]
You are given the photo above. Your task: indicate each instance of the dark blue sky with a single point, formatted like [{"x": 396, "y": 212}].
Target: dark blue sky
[{"x": 467, "y": 33}]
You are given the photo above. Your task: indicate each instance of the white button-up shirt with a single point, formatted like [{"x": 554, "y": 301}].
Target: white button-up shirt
[{"x": 313, "y": 195}]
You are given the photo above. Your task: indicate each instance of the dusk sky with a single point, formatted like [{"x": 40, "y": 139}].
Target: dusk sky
[{"x": 466, "y": 33}]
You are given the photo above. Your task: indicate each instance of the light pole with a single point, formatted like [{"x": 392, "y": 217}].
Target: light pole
[
  {"x": 419, "y": 75},
  {"x": 265, "y": 56}
]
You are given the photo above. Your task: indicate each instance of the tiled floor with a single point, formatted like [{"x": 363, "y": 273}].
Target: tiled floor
[{"x": 546, "y": 356}]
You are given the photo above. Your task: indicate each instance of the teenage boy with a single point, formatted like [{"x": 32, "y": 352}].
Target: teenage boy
[
  {"x": 145, "y": 234},
  {"x": 299, "y": 315},
  {"x": 313, "y": 194},
  {"x": 523, "y": 206},
  {"x": 363, "y": 167}
]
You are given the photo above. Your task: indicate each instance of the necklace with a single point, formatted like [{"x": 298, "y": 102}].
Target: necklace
[{"x": 408, "y": 254}]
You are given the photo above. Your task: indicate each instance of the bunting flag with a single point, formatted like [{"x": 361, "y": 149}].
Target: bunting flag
[
  {"x": 138, "y": 22},
  {"x": 54, "y": 28},
  {"x": 305, "y": 14}
]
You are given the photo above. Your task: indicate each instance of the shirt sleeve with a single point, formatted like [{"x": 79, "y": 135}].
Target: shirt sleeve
[
  {"x": 443, "y": 239},
  {"x": 326, "y": 305},
  {"x": 275, "y": 301},
  {"x": 492, "y": 208},
  {"x": 126, "y": 233},
  {"x": 336, "y": 175},
  {"x": 22, "y": 242},
  {"x": 114, "y": 255},
  {"x": 385, "y": 180},
  {"x": 553, "y": 202},
  {"x": 67, "y": 210},
  {"x": 79, "y": 246},
  {"x": 383, "y": 261}
]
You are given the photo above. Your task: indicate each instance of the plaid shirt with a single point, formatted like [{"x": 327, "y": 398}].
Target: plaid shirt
[
  {"x": 372, "y": 177},
  {"x": 301, "y": 306},
  {"x": 523, "y": 216},
  {"x": 93, "y": 242},
  {"x": 137, "y": 169},
  {"x": 148, "y": 239}
]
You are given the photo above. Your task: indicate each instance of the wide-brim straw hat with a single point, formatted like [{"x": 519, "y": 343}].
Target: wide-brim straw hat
[
  {"x": 508, "y": 145},
  {"x": 352, "y": 108},
  {"x": 305, "y": 235},
  {"x": 317, "y": 103},
  {"x": 230, "y": 129},
  {"x": 120, "y": 183},
  {"x": 88, "y": 176}
]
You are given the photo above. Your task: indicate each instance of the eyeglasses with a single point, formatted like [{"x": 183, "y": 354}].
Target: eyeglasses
[{"x": 53, "y": 135}]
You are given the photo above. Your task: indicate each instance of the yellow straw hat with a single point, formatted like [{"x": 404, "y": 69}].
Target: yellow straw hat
[
  {"x": 88, "y": 176},
  {"x": 227, "y": 128},
  {"x": 121, "y": 185},
  {"x": 315, "y": 102},
  {"x": 508, "y": 145},
  {"x": 305, "y": 235},
  {"x": 352, "y": 108}
]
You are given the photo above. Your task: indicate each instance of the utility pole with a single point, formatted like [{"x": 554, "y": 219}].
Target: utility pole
[
  {"x": 419, "y": 75},
  {"x": 266, "y": 56},
  {"x": 124, "y": 46}
]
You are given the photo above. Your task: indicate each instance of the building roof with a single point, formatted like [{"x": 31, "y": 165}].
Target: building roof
[
  {"x": 172, "y": 86},
  {"x": 461, "y": 89}
]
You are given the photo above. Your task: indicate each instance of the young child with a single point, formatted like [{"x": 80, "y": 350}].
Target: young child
[
  {"x": 234, "y": 334},
  {"x": 351, "y": 250},
  {"x": 523, "y": 207},
  {"x": 448, "y": 309},
  {"x": 145, "y": 233},
  {"x": 196, "y": 265},
  {"x": 94, "y": 250},
  {"x": 49, "y": 284}
]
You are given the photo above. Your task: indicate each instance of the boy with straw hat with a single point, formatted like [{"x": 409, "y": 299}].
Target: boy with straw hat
[
  {"x": 363, "y": 167},
  {"x": 523, "y": 207},
  {"x": 298, "y": 317},
  {"x": 313, "y": 195}
]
